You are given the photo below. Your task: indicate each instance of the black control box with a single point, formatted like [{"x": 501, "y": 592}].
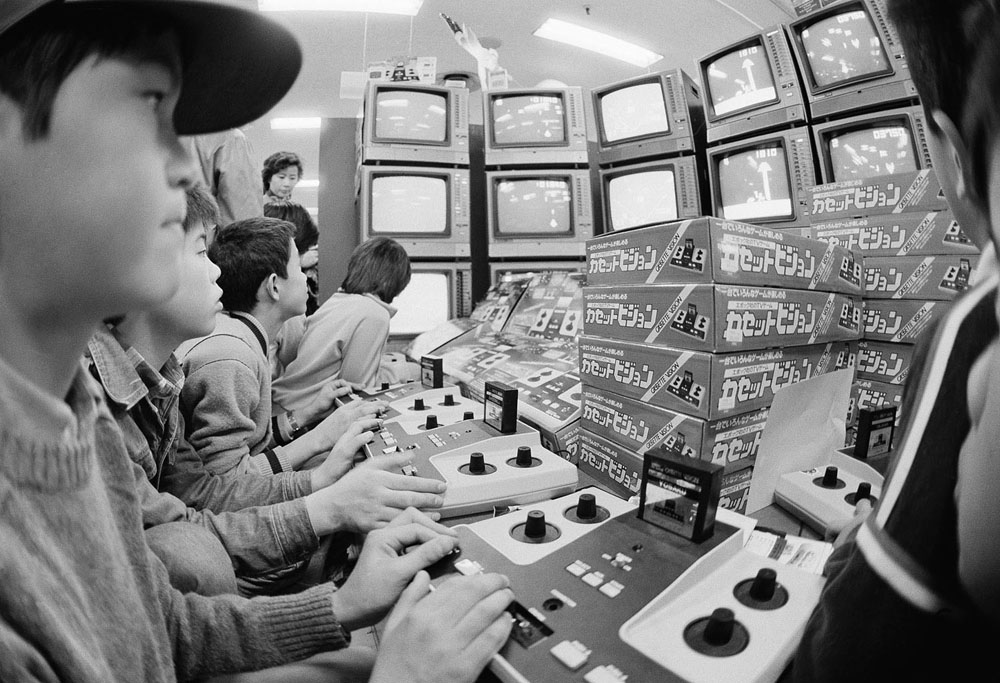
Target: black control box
[
  {"x": 500, "y": 407},
  {"x": 680, "y": 494}
]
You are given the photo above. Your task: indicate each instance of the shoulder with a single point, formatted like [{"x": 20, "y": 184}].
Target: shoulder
[{"x": 231, "y": 342}]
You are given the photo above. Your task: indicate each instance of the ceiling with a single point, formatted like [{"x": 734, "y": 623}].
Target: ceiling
[{"x": 334, "y": 42}]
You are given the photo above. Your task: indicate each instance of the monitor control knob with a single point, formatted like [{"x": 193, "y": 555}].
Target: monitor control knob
[
  {"x": 432, "y": 422},
  {"x": 534, "y": 526}
]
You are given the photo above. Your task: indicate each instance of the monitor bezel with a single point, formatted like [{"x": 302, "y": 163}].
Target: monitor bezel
[
  {"x": 703, "y": 64},
  {"x": 403, "y": 87},
  {"x": 618, "y": 171},
  {"x": 912, "y": 115},
  {"x": 451, "y": 271},
  {"x": 655, "y": 79},
  {"x": 542, "y": 174},
  {"x": 491, "y": 121},
  {"x": 715, "y": 161},
  {"x": 448, "y": 178}
]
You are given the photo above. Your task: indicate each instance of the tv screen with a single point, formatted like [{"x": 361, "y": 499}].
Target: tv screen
[
  {"x": 843, "y": 47},
  {"x": 405, "y": 204},
  {"x": 411, "y": 116},
  {"x": 754, "y": 183},
  {"x": 533, "y": 206},
  {"x": 864, "y": 152},
  {"x": 740, "y": 80},
  {"x": 632, "y": 112},
  {"x": 423, "y": 305},
  {"x": 526, "y": 120},
  {"x": 642, "y": 198}
]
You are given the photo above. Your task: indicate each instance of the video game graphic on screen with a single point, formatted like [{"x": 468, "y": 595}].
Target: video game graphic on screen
[
  {"x": 642, "y": 198},
  {"x": 753, "y": 183},
  {"x": 844, "y": 47},
  {"x": 534, "y": 206},
  {"x": 413, "y": 115},
  {"x": 741, "y": 80},
  {"x": 528, "y": 119},
  {"x": 868, "y": 152},
  {"x": 634, "y": 112}
]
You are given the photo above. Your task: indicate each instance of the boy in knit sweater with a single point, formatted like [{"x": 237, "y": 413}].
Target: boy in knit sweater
[{"x": 91, "y": 94}]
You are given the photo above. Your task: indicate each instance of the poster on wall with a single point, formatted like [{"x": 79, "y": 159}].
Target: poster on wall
[{"x": 407, "y": 69}]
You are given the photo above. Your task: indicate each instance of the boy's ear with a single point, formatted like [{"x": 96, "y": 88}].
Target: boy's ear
[
  {"x": 268, "y": 290},
  {"x": 956, "y": 156}
]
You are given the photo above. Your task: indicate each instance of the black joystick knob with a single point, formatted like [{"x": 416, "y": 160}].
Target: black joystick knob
[
  {"x": 764, "y": 584},
  {"x": 468, "y": 415},
  {"x": 432, "y": 422},
  {"x": 719, "y": 629},
  {"x": 830, "y": 477},
  {"x": 864, "y": 491},
  {"x": 449, "y": 399},
  {"x": 477, "y": 463},
  {"x": 586, "y": 507},
  {"x": 534, "y": 526},
  {"x": 523, "y": 456},
  {"x": 418, "y": 404},
  {"x": 385, "y": 385}
]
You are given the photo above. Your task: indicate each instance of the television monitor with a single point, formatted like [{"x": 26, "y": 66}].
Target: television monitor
[
  {"x": 426, "y": 209},
  {"x": 539, "y": 212},
  {"x": 765, "y": 179},
  {"x": 437, "y": 292},
  {"x": 649, "y": 116},
  {"x": 881, "y": 143},
  {"x": 415, "y": 123},
  {"x": 499, "y": 270},
  {"x": 752, "y": 86},
  {"x": 850, "y": 59},
  {"x": 651, "y": 192},
  {"x": 534, "y": 126}
]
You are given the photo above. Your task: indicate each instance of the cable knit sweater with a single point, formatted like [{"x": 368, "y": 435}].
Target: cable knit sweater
[{"x": 81, "y": 596}]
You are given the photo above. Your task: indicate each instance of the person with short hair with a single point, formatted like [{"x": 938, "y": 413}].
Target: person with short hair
[
  {"x": 306, "y": 241},
  {"x": 282, "y": 172},
  {"x": 346, "y": 337}
]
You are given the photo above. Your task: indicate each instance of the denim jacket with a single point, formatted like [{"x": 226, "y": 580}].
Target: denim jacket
[{"x": 144, "y": 404}]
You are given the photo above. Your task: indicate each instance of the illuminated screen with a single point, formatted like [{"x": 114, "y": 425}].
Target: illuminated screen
[
  {"x": 634, "y": 112},
  {"x": 540, "y": 205},
  {"x": 403, "y": 204},
  {"x": 423, "y": 305},
  {"x": 741, "y": 80},
  {"x": 865, "y": 152},
  {"x": 528, "y": 120},
  {"x": 844, "y": 47},
  {"x": 753, "y": 183},
  {"x": 411, "y": 115},
  {"x": 642, "y": 198}
]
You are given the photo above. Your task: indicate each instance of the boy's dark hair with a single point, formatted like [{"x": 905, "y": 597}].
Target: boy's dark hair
[
  {"x": 379, "y": 266},
  {"x": 201, "y": 208},
  {"x": 38, "y": 54},
  {"x": 306, "y": 232},
  {"x": 247, "y": 252},
  {"x": 279, "y": 161}
]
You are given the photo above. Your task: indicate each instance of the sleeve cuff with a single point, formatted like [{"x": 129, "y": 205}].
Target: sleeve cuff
[{"x": 304, "y": 623}]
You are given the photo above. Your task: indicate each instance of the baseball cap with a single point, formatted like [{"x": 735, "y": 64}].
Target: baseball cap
[{"x": 237, "y": 63}]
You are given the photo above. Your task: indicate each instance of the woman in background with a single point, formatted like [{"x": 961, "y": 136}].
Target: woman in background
[{"x": 282, "y": 172}]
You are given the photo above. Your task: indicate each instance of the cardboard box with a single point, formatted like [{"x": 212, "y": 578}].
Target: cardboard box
[
  {"x": 731, "y": 441},
  {"x": 884, "y": 361},
  {"x": 918, "y": 277},
  {"x": 888, "y": 194},
  {"x": 720, "y": 317},
  {"x": 620, "y": 470},
  {"x": 904, "y": 234},
  {"x": 706, "y": 250},
  {"x": 702, "y": 384},
  {"x": 866, "y": 393},
  {"x": 902, "y": 321}
]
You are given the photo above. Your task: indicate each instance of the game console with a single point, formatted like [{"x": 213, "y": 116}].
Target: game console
[
  {"x": 825, "y": 497},
  {"x": 419, "y": 411}
]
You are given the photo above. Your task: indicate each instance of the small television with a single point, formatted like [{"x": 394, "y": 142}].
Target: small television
[
  {"x": 424, "y": 208},
  {"x": 654, "y": 115},
  {"x": 764, "y": 179},
  {"x": 651, "y": 192},
  {"x": 752, "y": 86},
  {"x": 539, "y": 212},
  {"x": 437, "y": 292},
  {"x": 501, "y": 270},
  {"x": 850, "y": 58},
  {"x": 880, "y": 143},
  {"x": 414, "y": 123},
  {"x": 534, "y": 126}
]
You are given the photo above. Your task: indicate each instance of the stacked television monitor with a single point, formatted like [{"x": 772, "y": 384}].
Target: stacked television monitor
[
  {"x": 437, "y": 292},
  {"x": 534, "y": 126},
  {"x": 850, "y": 58},
  {"x": 525, "y": 269},
  {"x": 751, "y": 86},
  {"x": 650, "y": 192}
]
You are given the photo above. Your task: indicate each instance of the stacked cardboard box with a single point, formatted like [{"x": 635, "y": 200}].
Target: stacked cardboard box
[
  {"x": 917, "y": 260},
  {"x": 690, "y": 328}
]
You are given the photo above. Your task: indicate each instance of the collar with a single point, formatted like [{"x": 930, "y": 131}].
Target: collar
[
  {"x": 126, "y": 376},
  {"x": 254, "y": 325},
  {"x": 388, "y": 307}
]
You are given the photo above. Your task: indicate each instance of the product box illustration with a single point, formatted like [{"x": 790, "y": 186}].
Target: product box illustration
[
  {"x": 499, "y": 302},
  {"x": 707, "y": 250},
  {"x": 550, "y": 307},
  {"x": 897, "y": 193},
  {"x": 904, "y": 234},
  {"x": 731, "y": 441},
  {"x": 901, "y": 321},
  {"x": 705, "y": 385},
  {"x": 866, "y": 393},
  {"x": 884, "y": 361},
  {"x": 918, "y": 277},
  {"x": 620, "y": 470},
  {"x": 720, "y": 317}
]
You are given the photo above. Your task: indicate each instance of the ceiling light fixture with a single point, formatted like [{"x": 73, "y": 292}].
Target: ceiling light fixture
[
  {"x": 406, "y": 7},
  {"x": 589, "y": 39},
  {"x": 301, "y": 123}
]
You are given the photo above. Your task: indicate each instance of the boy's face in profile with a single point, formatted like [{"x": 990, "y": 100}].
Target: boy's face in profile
[
  {"x": 191, "y": 311},
  {"x": 98, "y": 203},
  {"x": 294, "y": 288}
]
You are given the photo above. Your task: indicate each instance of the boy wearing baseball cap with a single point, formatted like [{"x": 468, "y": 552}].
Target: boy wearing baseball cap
[{"x": 93, "y": 94}]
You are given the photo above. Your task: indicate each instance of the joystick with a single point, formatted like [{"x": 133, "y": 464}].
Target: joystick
[
  {"x": 535, "y": 529},
  {"x": 718, "y": 635},
  {"x": 477, "y": 465},
  {"x": 449, "y": 399},
  {"x": 864, "y": 491},
  {"x": 524, "y": 458},
  {"x": 432, "y": 422},
  {"x": 587, "y": 511},
  {"x": 830, "y": 480},
  {"x": 418, "y": 404},
  {"x": 762, "y": 591}
]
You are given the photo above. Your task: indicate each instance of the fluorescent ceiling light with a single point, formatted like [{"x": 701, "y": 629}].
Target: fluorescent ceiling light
[
  {"x": 589, "y": 39},
  {"x": 407, "y": 7},
  {"x": 311, "y": 182},
  {"x": 301, "y": 123}
]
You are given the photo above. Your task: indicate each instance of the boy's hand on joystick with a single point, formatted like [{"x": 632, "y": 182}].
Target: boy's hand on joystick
[{"x": 340, "y": 460}]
